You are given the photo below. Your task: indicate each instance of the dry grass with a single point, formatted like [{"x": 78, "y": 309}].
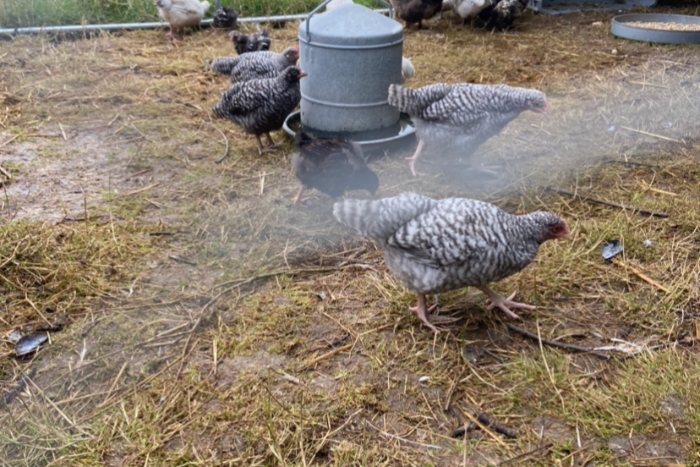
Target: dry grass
[{"x": 195, "y": 361}]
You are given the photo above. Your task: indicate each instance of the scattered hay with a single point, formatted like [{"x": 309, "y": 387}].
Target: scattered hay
[{"x": 225, "y": 359}]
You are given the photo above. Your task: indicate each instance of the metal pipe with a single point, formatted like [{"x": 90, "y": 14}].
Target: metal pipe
[{"x": 118, "y": 26}]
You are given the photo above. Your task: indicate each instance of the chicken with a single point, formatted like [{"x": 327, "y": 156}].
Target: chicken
[
  {"x": 462, "y": 116},
  {"x": 415, "y": 11},
  {"x": 502, "y": 13},
  {"x": 256, "y": 65},
  {"x": 332, "y": 166},
  {"x": 261, "y": 105},
  {"x": 225, "y": 18},
  {"x": 181, "y": 13},
  {"x": 434, "y": 246},
  {"x": 407, "y": 70},
  {"x": 466, "y": 9},
  {"x": 253, "y": 42}
]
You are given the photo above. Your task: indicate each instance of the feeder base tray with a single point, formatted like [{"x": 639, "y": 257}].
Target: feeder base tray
[{"x": 386, "y": 138}]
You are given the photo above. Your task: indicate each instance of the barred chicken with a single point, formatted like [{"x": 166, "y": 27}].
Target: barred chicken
[
  {"x": 415, "y": 11},
  {"x": 256, "y": 65},
  {"x": 261, "y": 105},
  {"x": 462, "y": 116},
  {"x": 501, "y": 14},
  {"x": 181, "y": 13},
  {"x": 332, "y": 166},
  {"x": 253, "y": 42},
  {"x": 434, "y": 246}
]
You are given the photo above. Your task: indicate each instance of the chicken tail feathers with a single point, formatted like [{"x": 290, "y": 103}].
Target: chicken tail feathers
[
  {"x": 358, "y": 214},
  {"x": 224, "y": 65},
  {"x": 379, "y": 219},
  {"x": 403, "y": 99},
  {"x": 414, "y": 101}
]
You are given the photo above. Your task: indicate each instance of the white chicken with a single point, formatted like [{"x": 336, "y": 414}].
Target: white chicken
[
  {"x": 407, "y": 70},
  {"x": 466, "y": 9},
  {"x": 181, "y": 13}
]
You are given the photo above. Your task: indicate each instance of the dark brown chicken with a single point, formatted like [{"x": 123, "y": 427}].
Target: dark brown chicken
[
  {"x": 415, "y": 11},
  {"x": 332, "y": 166}
]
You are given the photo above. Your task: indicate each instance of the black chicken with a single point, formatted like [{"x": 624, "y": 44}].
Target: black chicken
[
  {"x": 254, "y": 42},
  {"x": 415, "y": 11},
  {"x": 332, "y": 166}
]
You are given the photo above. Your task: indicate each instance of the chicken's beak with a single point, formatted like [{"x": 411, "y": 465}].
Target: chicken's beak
[
  {"x": 545, "y": 109},
  {"x": 566, "y": 229},
  {"x": 302, "y": 74}
]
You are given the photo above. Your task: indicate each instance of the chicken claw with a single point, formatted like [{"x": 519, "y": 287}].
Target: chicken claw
[
  {"x": 497, "y": 301},
  {"x": 423, "y": 314}
]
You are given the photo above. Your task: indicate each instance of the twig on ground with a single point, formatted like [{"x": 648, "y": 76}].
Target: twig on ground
[
  {"x": 314, "y": 361},
  {"x": 452, "y": 389},
  {"x": 9, "y": 141},
  {"x": 485, "y": 429},
  {"x": 222, "y": 158},
  {"x": 643, "y": 212},
  {"x": 141, "y": 189},
  {"x": 182, "y": 260},
  {"x": 290, "y": 272},
  {"x": 561, "y": 345},
  {"x": 646, "y": 133},
  {"x": 525, "y": 454},
  {"x": 404, "y": 440},
  {"x": 636, "y": 164},
  {"x": 5, "y": 172},
  {"x": 640, "y": 274}
]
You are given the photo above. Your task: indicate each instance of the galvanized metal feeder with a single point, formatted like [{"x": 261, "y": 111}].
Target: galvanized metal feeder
[{"x": 351, "y": 55}]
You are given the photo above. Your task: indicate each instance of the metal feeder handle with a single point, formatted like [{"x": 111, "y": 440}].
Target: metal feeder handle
[{"x": 326, "y": 2}]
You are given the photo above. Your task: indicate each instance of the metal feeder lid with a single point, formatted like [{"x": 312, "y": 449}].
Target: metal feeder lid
[{"x": 350, "y": 26}]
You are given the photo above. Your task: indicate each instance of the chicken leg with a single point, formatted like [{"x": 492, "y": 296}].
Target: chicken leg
[
  {"x": 423, "y": 313},
  {"x": 412, "y": 160},
  {"x": 298, "y": 196},
  {"x": 498, "y": 301}
]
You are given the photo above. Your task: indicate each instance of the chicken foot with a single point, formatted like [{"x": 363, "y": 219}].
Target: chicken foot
[
  {"x": 423, "y": 313},
  {"x": 412, "y": 160},
  {"x": 270, "y": 147},
  {"x": 504, "y": 304}
]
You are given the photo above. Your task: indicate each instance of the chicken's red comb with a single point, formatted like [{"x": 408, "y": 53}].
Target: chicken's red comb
[{"x": 296, "y": 47}]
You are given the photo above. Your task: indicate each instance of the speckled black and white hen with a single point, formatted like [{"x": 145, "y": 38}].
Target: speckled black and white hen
[
  {"x": 501, "y": 14},
  {"x": 434, "y": 246},
  {"x": 256, "y": 65},
  {"x": 261, "y": 105},
  {"x": 253, "y": 42},
  {"x": 462, "y": 116},
  {"x": 332, "y": 166}
]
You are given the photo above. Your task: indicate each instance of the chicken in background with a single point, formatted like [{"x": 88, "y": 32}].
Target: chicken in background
[
  {"x": 434, "y": 246},
  {"x": 253, "y": 42},
  {"x": 181, "y": 13},
  {"x": 332, "y": 166},
  {"x": 407, "y": 70},
  {"x": 466, "y": 9},
  {"x": 256, "y": 65},
  {"x": 415, "y": 11},
  {"x": 260, "y": 106},
  {"x": 501, "y": 14},
  {"x": 462, "y": 116},
  {"x": 224, "y": 18}
]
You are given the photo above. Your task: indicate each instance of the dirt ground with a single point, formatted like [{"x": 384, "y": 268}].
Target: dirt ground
[{"x": 197, "y": 317}]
